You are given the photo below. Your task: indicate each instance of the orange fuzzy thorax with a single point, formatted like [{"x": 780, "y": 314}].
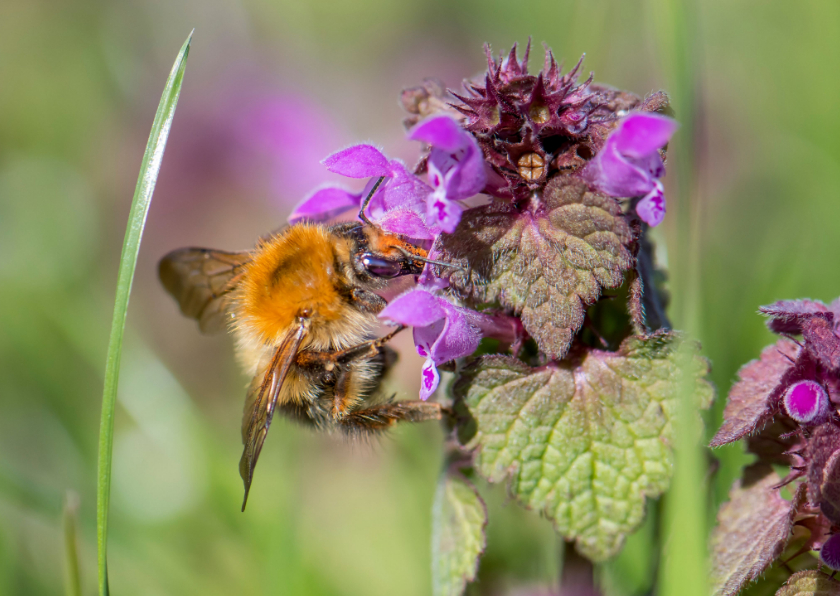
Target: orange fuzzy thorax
[{"x": 294, "y": 275}]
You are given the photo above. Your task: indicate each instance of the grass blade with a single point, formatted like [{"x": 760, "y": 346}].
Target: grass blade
[{"x": 128, "y": 261}]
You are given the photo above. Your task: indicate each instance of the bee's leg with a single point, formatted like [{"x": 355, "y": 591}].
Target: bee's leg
[
  {"x": 366, "y": 349},
  {"x": 368, "y": 301},
  {"x": 384, "y": 416},
  {"x": 341, "y": 394}
]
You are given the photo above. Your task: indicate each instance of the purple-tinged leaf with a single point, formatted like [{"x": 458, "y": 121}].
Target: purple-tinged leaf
[
  {"x": 822, "y": 341},
  {"x": 821, "y": 446},
  {"x": 787, "y": 316},
  {"x": 810, "y": 583},
  {"x": 546, "y": 267},
  {"x": 753, "y": 528},
  {"x": 830, "y": 489},
  {"x": 750, "y": 402},
  {"x": 584, "y": 441}
]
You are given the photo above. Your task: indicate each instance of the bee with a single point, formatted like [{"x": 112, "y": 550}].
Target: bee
[{"x": 302, "y": 307}]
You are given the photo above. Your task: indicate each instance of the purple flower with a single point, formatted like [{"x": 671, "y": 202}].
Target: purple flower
[
  {"x": 629, "y": 164},
  {"x": 398, "y": 205},
  {"x": 442, "y": 331},
  {"x": 806, "y": 402},
  {"x": 456, "y": 169}
]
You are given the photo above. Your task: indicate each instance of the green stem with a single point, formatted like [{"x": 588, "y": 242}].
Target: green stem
[{"x": 149, "y": 170}]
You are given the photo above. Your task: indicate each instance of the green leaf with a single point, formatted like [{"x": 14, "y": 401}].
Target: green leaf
[
  {"x": 545, "y": 266},
  {"x": 583, "y": 441},
  {"x": 810, "y": 583},
  {"x": 753, "y": 529},
  {"x": 459, "y": 518},
  {"x": 149, "y": 169}
]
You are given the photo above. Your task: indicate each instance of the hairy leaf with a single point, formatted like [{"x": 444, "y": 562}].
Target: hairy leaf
[
  {"x": 545, "y": 263},
  {"x": 830, "y": 489},
  {"x": 749, "y": 406},
  {"x": 820, "y": 447},
  {"x": 753, "y": 528},
  {"x": 459, "y": 518},
  {"x": 584, "y": 440},
  {"x": 810, "y": 583},
  {"x": 788, "y": 316}
]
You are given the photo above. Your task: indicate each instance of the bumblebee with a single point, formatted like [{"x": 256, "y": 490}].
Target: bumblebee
[{"x": 303, "y": 311}]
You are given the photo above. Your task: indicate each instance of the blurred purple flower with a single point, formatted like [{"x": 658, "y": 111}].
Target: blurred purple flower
[
  {"x": 456, "y": 169},
  {"x": 442, "y": 331},
  {"x": 290, "y": 134},
  {"x": 398, "y": 205},
  {"x": 629, "y": 164}
]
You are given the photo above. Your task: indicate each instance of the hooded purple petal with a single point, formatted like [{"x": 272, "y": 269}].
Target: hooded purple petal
[
  {"x": 641, "y": 134},
  {"x": 613, "y": 174},
  {"x": 325, "y": 203},
  {"x": 358, "y": 161},
  {"x": 442, "y": 132},
  {"x": 459, "y": 336},
  {"x": 416, "y": 307}
]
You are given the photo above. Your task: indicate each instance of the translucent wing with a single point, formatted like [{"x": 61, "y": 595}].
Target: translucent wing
[
  {"x": 200, "y": 279},
  {"x": 261, "y": 401}
]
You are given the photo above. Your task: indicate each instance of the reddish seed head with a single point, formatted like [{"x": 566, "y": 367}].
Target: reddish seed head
[
  {"x": 807, "y": 403},
  {"x": 830, "y": 552}
]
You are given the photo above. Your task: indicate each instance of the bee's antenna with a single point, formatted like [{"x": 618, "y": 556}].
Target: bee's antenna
[
  {"x": 425, "y": 260},
  {"x": 366, "y": 202}
]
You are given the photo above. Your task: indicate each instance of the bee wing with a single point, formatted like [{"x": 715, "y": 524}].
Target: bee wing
[
  {"x": 261, "y": 401},
  {"x": 200, "y": 279}
]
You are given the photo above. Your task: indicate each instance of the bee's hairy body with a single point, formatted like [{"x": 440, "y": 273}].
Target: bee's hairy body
[
  {"x": 303, "y": 310},
  {"x": 304, "y": 271}
]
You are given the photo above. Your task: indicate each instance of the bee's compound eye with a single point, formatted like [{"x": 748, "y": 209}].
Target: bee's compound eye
[{"x": 380, "y": 267}]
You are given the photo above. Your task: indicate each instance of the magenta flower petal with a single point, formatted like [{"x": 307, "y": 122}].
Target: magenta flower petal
[
  {"x": 325, "y": 203},
  {"x": 429, "y": 379},
  {"x": 806, "y": 402},
  {"x": 642, "y": 133},
  {"x": 442, "y": 132},
  {"x": 459, "y": 336},
  {"x": 629, "y": 165},
  {"x": 614, "y": 175},
  {"x": 406, "y": 223},
  {"x": 358, "y": 161},
  {"x": 651, "y": 209},
  {"x": 443, "y": 213},
  {"x": 417, "y": 308}
]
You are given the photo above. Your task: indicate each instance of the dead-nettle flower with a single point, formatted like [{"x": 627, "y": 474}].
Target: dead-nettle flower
[
  {"x": 629, "y": 165},
  {"x": 554, "y": 163},
  {"x": 785, "y": 404}
]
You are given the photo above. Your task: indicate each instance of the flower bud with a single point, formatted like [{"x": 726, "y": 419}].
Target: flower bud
[
  {"x": 830, "y": 552},
  {"x": 807, "y": 403}
]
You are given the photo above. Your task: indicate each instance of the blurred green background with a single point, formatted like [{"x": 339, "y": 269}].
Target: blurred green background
[{"x": 271, "y": 88}]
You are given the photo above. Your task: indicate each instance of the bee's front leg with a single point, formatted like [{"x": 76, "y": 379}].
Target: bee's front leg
[
  {"x": 366, "y": 349},
  {"x": 367, "y": 301}
]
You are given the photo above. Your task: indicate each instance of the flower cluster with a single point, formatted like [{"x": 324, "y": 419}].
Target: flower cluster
[
  {"x": 511, "y": 138},
  {"x": 786, "y": 404}
]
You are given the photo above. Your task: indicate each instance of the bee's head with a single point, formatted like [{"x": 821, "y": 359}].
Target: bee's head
[{"x": 377, "y": 256}]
